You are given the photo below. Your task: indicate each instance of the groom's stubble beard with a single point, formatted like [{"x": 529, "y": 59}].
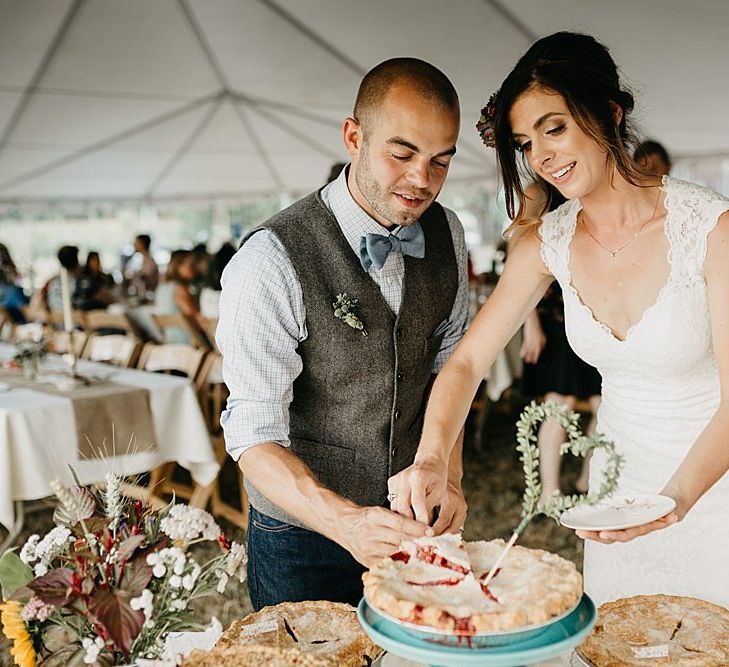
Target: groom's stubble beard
[{"x": 378, "y": 197}]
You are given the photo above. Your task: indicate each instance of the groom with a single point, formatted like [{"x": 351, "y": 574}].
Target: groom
[{"x": 326, "y": 402}]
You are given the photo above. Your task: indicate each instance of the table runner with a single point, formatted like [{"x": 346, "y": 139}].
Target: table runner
[{"x": 101, "y": 408}]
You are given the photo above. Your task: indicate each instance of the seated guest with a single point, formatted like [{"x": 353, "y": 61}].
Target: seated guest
[
  {"x": 173, "y": 296},
  {"x": 68, "y": 259},
  {"x": 93, "y": 286},
  {"x": 210, "y": 294},
  {"x": 12, "y": 297}
]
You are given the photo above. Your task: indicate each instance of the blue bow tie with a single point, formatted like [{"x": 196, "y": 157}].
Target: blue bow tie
[{"x": 374, "y": 249}]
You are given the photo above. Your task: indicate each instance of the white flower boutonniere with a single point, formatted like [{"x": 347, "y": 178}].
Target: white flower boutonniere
[{"x": 345, "y": 309}]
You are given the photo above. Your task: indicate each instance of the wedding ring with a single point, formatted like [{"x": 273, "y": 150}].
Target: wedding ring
[{"x": 391, "y": 497}]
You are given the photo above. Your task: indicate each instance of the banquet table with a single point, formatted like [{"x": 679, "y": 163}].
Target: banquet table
[{"x": 39, "y": 438}]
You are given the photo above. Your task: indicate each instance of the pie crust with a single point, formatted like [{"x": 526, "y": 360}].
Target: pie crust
[
  {"x": 678, "y": 630},
  {"x": 436, "y": 583},
  {"x": 310, "y": 634}
]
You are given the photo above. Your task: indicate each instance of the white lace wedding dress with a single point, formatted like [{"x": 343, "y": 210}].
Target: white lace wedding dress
[{"x": 660, "y": 388}]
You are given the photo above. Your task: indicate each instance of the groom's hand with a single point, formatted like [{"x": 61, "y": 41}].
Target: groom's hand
[
  {"x": 418, "y": 489},
  {"x": 371, "y": 533}
]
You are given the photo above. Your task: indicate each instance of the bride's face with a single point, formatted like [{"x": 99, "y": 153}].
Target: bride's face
[{"x": 554, "y": 144}]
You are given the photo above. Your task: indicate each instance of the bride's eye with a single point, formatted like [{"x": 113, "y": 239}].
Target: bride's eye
[
  {"x": 523, "y": 148},
  {"x": 557, "y": 130}
]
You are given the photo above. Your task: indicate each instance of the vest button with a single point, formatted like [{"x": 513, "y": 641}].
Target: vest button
[
  {"x": 399, "y": 333},
  {"x": 400, "y": 376},
  {"x": 394, "y": 450},
  {"x": 397, "y": 414}
]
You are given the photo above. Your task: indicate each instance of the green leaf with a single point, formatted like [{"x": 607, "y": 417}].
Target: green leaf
[
  {"x": 121, "y": 621},
  {"x": 55, "y": 587},
  {"x": 14, "y": 574}
]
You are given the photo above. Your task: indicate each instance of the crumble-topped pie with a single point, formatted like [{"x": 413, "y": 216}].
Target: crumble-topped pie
[
  {"x": 310, "y": 634},
  {"x": 436, "y": 582},
  {"x": 658, "y": 630}
]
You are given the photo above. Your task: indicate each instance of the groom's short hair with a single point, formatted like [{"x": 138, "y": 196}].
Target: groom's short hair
[{"x": 421, "y": 76}]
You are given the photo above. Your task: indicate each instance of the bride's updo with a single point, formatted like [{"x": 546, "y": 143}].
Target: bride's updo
[{"x": 582, "y": 71}]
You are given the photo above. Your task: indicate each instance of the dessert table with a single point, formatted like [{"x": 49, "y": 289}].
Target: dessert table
[{"x": 40, "y": 438}]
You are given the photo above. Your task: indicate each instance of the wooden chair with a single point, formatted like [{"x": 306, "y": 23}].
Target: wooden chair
[
  {"x": 179, "y": 321},
  {"x": 213, "y": 393},
  {"x": 210, "y": 324},
  {"x": 98, "y": 320},
  {"x": 114, "y": 349},
  {"x": 59, "y": 342}
]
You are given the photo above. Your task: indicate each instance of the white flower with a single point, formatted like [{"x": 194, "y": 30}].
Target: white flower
[
  {"x": 53, "y": 544},
  {"x": 27, "y": 553},
  {"x": 175, "y": 581},
  {"x": 222, "y": 581},
  {"x": 40, "y": 569},
  {"x": 145, "y": 602},
  {"x": 93, "y": 646},
  {"x": 235, "y": 563},
  {"x": 159, "y": 570},
  {"x": 185, "y": 523}
]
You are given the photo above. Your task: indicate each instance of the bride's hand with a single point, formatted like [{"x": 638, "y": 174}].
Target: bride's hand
[
  {"x": 419, "y": 488},
  {"x": 627, "y": 534}
]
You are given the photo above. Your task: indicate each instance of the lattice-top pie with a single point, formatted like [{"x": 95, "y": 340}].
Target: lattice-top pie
[
  {"x": 307, "y": 634},
  {"x": 658, "y": 630},
  {"x": 437, "y": 582}
]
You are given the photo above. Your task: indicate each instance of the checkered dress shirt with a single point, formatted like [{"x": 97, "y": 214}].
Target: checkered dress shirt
[{"x": 263, "y": 320}]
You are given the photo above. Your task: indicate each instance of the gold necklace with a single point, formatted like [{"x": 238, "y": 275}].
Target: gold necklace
[{"x": 630, "y": 240}]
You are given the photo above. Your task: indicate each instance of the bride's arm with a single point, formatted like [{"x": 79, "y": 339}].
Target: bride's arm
[
  {"x": 522, "y": 284},
  {"x": 708, "y": 459}
]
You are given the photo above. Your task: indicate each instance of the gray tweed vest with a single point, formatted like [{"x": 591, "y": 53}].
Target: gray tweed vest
[{"x": 358, "y": 405}]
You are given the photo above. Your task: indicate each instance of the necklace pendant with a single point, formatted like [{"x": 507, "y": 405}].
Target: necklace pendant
[{"x": 613, "y": 252}]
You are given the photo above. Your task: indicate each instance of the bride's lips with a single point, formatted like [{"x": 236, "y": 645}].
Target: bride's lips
[
  {"x": 563, "y": 174},
  {"x": 408, "y": 201}
]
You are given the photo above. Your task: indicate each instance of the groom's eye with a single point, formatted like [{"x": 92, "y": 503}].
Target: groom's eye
[{"x": 401, "y": 157}]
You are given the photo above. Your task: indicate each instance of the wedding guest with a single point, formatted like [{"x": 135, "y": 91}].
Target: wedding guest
[
  {"x": 173, "y": 297},
  {"x": 12, "y": 297},
  {"x": 93, "y": 286},
  {"x": 68, "y": 259},
  {"x": 652, "y": 158},
  {"x": 333, "y": 316},
  {"x": 145, "y": 278},
  {"x": 210, "y": 293},
  {"x": 642, "y": 266}
]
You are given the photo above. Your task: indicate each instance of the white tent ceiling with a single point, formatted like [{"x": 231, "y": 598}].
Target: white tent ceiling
[{"x": 166, "y": 99}]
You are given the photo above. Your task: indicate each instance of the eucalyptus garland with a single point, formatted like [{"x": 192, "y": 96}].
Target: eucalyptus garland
[{"x": 577, "y": 443}]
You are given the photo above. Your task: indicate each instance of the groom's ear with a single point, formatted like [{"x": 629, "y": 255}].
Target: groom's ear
[{"x": 353, "y": 136}]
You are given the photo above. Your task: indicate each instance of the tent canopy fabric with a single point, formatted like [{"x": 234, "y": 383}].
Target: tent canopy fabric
[{"x": 144, "y": 100}]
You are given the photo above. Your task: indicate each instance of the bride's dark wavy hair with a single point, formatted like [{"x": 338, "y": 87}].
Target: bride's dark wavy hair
[{"x": 582, "y": 71}]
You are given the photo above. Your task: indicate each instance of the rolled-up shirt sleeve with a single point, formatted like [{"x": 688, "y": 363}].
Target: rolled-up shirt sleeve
[
  {"x": 262, "y": 321},
  {"x": 459, "y": 313}
]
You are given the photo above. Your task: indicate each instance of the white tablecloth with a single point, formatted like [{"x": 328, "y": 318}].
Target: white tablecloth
[{"x": 38, "y": 437}]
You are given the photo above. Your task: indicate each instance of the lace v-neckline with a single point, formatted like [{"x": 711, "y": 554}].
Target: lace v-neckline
[{"x": 659, "y": 298}]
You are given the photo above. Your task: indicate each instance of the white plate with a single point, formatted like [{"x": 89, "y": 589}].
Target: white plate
[{"x": 618, "y": 512}]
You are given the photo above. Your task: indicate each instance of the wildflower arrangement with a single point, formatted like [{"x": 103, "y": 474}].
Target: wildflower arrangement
[
  {"x": 577, "y": 443},
  {"x": 111, "y": 581},
  {"x": 26, "y": 350},
  {"x": 345, "y": 309}
]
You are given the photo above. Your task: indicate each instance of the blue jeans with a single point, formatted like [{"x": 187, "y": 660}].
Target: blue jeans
[{"x": 291, "y": 564}]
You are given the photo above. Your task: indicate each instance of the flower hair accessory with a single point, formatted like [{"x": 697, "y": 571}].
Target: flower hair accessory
[{"x": 485, "y": 125}]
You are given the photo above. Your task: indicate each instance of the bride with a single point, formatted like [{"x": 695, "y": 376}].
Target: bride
[{"x": 644, "y": 268}]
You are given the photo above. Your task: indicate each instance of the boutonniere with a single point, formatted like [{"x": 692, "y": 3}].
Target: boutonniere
[{"x": 345, "y": 309}]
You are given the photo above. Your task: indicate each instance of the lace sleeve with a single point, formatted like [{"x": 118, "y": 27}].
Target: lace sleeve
[
  {"x": 693, "y": 212},
  {"x": 556, "y": 232}
]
